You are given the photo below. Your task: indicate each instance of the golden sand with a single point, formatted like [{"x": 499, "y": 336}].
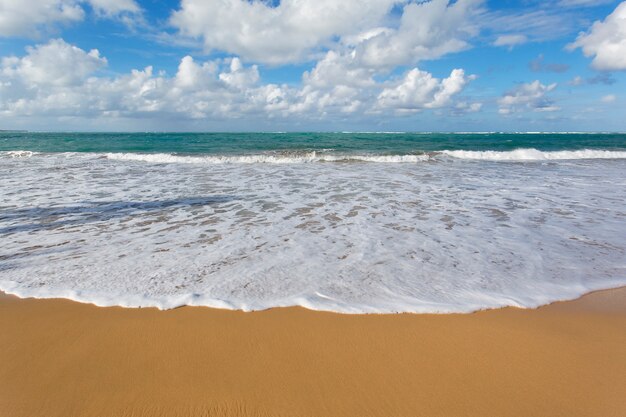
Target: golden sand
[{"x": 60, "y": 358}]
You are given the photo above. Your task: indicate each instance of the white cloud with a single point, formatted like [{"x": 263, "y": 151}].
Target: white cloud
[
  {"x": 17, "y": 18},
  {"x": 420, "y": 90},
  {"x": 510, "y": 40},
  {"x": 427, "y": 30},
  {"x": 355, "y": 43},
  {"x": 192, "y": 75},
  {"x": 296, "y": 29},
  {"x": 530, "y": 96},
  {"x": 337, "y": 69},
  {"x": 609, "y": 98},
  {"x": 606, "y": 41},
  {"x": 60, "y": 80},
  {"x": 239, "y": 76},
  {"x": 20, "y": 18},
  {"x": 55, "y": 63},
  {"x": 114, "y": 7},
  {"x": 286, "y": 33}
]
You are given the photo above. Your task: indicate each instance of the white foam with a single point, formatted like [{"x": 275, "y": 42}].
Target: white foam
[
  {"x": 351, "y": 238},
  {"x": 295, "y": 158},
  {"x": 536, "y": 155},
  {"x": 18, "y": 154}
]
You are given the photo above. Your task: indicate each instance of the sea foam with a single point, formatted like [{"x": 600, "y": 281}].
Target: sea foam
[
  {"x": 536, "y": 155},
  {"x": 312, "y": 157},
  {"x": 295, "y": 157},
  {"x": 348, "y": 237},
  {"x": 18, "y": 154},
  {"x": 286, "y": 158}
]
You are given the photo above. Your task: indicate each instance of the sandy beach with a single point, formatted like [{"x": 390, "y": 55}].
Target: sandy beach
[{"x": 65, "y": 359}]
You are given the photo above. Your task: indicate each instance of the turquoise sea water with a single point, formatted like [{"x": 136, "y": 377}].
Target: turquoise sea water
[
  {"x": 251, "y": 143},
  {"x": 347, "y": 222}
]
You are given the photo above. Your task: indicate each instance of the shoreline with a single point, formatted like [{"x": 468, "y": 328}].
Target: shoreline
[
  {"x": 216, "y": 304},
  {"x": 63, "y": 358}
]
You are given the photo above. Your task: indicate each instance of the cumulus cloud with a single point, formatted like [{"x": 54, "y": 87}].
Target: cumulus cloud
[
  {"x": 193, "y": 75},
  {"x": 239, "y": 76},
  {"x": 19, "y": 18},
  {"x": 197, "y": 90},
  {"x": 55, "y": 63},
  {"x": 337, "y": 69},
  {"x": 259, "y": 31},
  {"x": 606, "y": 41},
  {"x": 420, "y": 90},
  {"x": 60, "y": 80},
  {"x": 336, "y": 83},
  {"x": 355, "y": 45},
  {"x": 528, "y": 97},
  {"x": 294, "y": 29},
  {"x": 16, "y": 19},
  {"x": 427, "y": 30}
]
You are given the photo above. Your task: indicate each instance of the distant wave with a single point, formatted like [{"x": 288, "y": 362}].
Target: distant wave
[
  {"x": 536, "y": 155},
  {"x": 18, "y": 154},
  {"x": 311, "y": 157},
  {"x": 327, "y": 155},
  {"x": 295, "y": 158}
]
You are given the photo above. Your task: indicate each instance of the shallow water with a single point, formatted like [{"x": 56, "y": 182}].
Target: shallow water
[{"x": 348, "y": 231}]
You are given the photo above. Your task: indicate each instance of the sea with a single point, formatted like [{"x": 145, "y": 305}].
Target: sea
[{"x": 350, "y": 222}]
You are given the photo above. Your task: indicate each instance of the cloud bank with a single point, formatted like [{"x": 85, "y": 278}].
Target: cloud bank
[
  {"x": 57, "y": 78},
  {"x": 297, "y": 30},
  {"x": 365, "y": 62}
]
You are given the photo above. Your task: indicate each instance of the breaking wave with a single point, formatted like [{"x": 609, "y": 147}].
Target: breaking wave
[
  {"x": 18, "y": 154},
  {"x": 288, "y": 158},
  {"x": 536, "y": 155},
  {"x": 304, "y": 157}
]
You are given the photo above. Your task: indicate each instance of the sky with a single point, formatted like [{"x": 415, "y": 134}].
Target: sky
[{"x": 313, "y": 65}]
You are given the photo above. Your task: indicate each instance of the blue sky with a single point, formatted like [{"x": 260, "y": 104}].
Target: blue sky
[{"x": 377, "y": 65}]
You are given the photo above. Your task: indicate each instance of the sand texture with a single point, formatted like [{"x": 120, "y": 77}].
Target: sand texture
[{"x": 63, "y": 359}]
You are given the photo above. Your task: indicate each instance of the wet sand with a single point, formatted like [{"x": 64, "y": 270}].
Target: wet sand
[{"x": 65, "y": 359}]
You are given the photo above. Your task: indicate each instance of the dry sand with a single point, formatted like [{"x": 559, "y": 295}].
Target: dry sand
[{"x": 60, "y": 358}]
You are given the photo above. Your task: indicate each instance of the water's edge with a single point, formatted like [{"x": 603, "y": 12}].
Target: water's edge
[{"x": 195, "y": 300}]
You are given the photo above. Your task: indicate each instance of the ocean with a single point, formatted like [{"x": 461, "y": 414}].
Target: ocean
[{"x": 346, "y": 222}]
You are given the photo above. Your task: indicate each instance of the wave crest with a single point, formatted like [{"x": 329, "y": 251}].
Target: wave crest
[
  {"x": 303, "y": 157},
  {"x": 531, "y": 154},
  {"x": 18, "y": 154},
  {"x": 292, "y": 158}
]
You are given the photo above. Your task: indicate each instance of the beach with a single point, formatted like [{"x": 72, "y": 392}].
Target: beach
[
  {"x": 305, "y": 208},
  {"x": 62, "y": 358},
  {"x": 312, "y": 274}
]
